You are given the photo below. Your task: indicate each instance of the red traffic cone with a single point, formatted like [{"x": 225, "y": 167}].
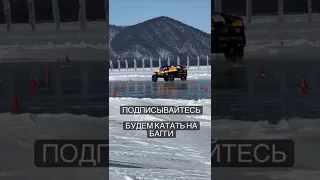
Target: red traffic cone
[
  {"x": 113, "y": 94},
  {"x": 303, "y": 85},
  {"x": 15, "y": 108},
  {"x": 205, "y": 88},
  {"x": 47, "y": 77},
  {"x": 67, "y": 59},
  {"x": 261, "y": 71},
  {"x": 119, "y": 89},
  {"x": 33, "y": 86}
]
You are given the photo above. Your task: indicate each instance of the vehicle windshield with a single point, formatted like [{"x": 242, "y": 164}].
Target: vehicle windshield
[
  {"x": 164, "y": 68},
  {"x": 217, "y": 18}
]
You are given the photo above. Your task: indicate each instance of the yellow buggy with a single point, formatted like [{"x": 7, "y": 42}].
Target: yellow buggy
[{"x": 169, "y": 73}]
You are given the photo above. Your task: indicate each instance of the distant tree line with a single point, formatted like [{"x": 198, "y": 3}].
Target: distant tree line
[
  {"x": 69, "y": 10},
  {"x": 268, "y": 6}
]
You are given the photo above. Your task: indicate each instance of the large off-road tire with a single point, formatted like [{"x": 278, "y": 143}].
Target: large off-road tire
[
  {"x": 183, "y": 78},
  {"x": 234, "y": 54},
  {"x": 165, "y": 78},
  {"x": 154, "y": 78},
  {"x": 171, "y": 77}
]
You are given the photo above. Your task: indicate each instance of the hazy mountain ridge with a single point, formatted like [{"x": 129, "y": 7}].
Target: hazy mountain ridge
[{"x": 159, "y": 37}]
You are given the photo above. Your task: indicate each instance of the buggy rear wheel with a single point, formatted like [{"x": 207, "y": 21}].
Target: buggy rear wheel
[
  {"x": 171, "y": 77},
  {"x": 154, "y": 78}
]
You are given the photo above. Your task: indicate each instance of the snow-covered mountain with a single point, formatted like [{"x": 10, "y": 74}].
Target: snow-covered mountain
[
  {"x": 113, "y": 31},
  {"x": 159, "y": 37}
]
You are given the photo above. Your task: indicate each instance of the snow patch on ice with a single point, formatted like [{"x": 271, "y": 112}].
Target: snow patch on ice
[
  {"x": 19, "y": 132},
  {"x": 185, "y": 157},
  {"x": 304, "y": 132}
]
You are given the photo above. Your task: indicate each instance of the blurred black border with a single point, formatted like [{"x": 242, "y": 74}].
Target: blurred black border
[{"x": 233, "y": 76}]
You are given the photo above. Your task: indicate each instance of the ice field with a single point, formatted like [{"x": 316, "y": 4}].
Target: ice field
[
  {"x": 17, "y": 136},
  {"x": 134, "y": 156},
  {"x": 18, "y": 132},
  {"x": 304, "y": 132},
  {"x": 268, "y": 40}
]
